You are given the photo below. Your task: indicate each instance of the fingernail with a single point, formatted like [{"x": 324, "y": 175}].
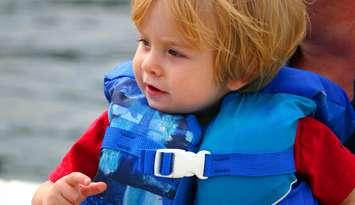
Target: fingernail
[{"x": 87, "y": 181}]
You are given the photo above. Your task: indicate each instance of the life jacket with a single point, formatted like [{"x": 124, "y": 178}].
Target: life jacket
[
  {"x": 249, "y": 159},
  {"x": 134, "y": 133}
]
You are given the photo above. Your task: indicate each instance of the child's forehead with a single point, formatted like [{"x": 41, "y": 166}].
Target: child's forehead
[
  {"x": 186, "y": 23},
  {"x": 166, "y": 31}
]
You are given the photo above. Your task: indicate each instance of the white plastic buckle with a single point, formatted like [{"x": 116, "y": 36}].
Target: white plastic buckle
[{"x": 185, "y": 164}]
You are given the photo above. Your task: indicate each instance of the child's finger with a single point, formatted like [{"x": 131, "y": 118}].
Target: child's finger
[
  {"x": 57, "y": 200},
  {"x": 76, "y": 178},
  {"x": 62, "y": 193},
  {"x": 71, "y": 193},
  {"x": 93, "y": 188}
]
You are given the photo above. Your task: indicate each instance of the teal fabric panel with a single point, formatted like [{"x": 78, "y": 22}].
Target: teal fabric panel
[{"x": 252, "y": 123}]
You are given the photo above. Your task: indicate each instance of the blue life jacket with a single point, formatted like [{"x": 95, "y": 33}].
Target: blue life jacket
[
  {"x": 249, "y": 143},
  {"x": 135, "y": 130}
]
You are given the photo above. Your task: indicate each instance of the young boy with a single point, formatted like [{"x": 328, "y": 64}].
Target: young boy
[{"x": 208, "y": 58}]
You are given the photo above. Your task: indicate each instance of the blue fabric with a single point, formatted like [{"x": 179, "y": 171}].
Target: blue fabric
[
  {"x": 333, "y": 106},
  {"x": 129, "y": 142},
  {"x": 120, "y": 71},
  {"x": 300, "y": 195},
  {"x": 147, "y": 161},
  {"x": 241, "y": 127},
  {"x": 238, "y": 164},
  {"x": 166, "y": 164},
  {"x": 134, "y": 127}
]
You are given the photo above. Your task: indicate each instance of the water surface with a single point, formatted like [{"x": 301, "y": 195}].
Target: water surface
[{"x": 53, "y": 55}]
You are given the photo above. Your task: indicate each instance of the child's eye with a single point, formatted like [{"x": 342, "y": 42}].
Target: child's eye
[
  {"x": 175, "y": 53},
  {"x": 144, "y": 42}
]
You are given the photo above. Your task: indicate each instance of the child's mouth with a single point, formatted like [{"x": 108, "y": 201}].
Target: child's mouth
[{"x": 153, "y": 91}]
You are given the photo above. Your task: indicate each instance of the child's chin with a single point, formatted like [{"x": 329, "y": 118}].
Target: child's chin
[
  {"x": 157, "y": 106},
  {"x": 165, "y": 108}
]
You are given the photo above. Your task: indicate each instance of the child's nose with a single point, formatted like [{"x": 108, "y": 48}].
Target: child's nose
[{"x": 151, "y": 65}]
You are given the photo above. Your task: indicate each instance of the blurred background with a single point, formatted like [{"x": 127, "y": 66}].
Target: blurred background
[{"x": 53, "y": 55}]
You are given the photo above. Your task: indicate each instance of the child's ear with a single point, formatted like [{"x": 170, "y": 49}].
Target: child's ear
[{"x": 233, "y": 85}]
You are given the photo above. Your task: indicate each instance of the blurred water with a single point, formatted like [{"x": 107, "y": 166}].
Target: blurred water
[{"x": 53, "y": 55}]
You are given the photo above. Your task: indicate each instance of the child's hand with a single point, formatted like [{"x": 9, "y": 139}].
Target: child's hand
[{"x": 72, "y": 189}]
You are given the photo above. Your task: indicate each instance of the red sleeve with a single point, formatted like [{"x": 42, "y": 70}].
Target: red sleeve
[
  {"x": 324, "y": 162},
  {"x": 83, "y": 156}
]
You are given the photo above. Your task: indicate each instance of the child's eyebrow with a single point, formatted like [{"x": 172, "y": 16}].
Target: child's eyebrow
[{"x": 174, "y": 42}]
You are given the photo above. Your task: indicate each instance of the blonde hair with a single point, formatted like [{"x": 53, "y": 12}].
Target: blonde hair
[{"x": 252, "y": 39}]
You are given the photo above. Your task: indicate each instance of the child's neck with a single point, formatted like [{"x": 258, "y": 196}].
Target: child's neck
[
  {"x": 205, "y": 116},
  {"x": 329, "y": 48},
  {"x": 338, "y": 66}
]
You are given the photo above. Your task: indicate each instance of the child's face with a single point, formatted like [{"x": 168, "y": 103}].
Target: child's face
[{"x": 173, "y": 76}]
